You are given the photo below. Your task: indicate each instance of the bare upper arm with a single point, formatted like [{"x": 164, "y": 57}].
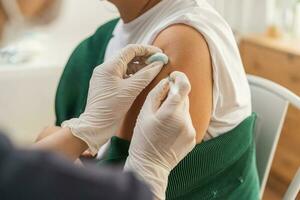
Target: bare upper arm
[{"x": 188, "y": 53}]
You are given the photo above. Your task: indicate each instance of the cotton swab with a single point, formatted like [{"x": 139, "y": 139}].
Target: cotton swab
[{"x": 158, "y": 57}]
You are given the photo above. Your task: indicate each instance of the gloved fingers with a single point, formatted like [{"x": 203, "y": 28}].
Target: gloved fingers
[
  {"x": 158, "y": 94},
  {"x": 188, "y": 118},
  {"x": 188, "y": 136},
  {"x": 129, "y": 53},
  {"x": 136, "y": 50},
  {"x": 148, "y": 73},
  {"x": 179, "y": 90},
  {"x": 140, "y": 80},
  {"x": 180, "y": 84}
]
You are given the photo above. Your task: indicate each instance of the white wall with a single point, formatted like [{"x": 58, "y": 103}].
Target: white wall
[{"x": 245, "y": 15}]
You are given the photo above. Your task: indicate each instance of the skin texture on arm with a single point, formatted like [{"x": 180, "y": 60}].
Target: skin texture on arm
[
  {"x": 50, "y": 130},
  {"x": 34, "y": 8},
  {"x": 189, "y": 53},
  {"x": 61, "y": 141},
  {"x": 47, "y": 132}
]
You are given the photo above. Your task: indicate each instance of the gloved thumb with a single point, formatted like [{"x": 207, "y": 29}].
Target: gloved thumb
[
  {"x": 180, "y": 88},
  {"x": 157, "y": 95},
  {"x": 180, "y": 84},
  {"x": 120, "y": 63}
]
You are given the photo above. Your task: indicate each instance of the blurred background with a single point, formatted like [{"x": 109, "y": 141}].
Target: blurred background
[{"x": 38, "y": 36}]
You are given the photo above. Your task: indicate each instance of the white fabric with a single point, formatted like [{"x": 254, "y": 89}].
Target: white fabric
[
  {"x": 164, "y": 133},
  {"x": 231, "y": 93},
  {"x": 111, "y": 95}
]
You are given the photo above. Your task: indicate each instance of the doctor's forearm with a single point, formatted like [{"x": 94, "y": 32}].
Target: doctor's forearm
[{"x": 62, "y": 142}]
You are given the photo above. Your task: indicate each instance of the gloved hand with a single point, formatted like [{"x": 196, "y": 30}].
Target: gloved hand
[
  {"x": 164, "y": 133},
  {"x": 111, "y": 95}
]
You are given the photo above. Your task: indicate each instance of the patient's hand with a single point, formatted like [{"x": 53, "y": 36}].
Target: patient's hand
[
  {"x": 188, "y": 52},
  {"x": 50, "y": 130},
  {"x": 47, "y": 132}
]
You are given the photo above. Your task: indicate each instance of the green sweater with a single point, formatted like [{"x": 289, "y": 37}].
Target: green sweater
[{"x": 221, "y": 168}]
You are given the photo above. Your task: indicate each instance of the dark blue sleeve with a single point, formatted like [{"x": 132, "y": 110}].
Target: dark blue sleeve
[{"x": 41, "y": 175}]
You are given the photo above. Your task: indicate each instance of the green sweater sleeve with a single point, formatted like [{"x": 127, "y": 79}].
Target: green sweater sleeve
[
  {"x": 116, "y": 154},
  {"x": 73, "y": 86}
]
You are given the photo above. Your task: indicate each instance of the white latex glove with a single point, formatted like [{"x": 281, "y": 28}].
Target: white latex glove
[
  {"x": 111, "y": 95},
  {"x": 164, "y": 133}
]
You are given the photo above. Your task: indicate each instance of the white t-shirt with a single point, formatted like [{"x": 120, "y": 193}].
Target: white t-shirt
[{"x": 231, "y": 92}]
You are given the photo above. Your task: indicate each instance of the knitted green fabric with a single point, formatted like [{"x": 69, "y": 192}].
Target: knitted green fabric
[
  {"x": 221, "y": 168},
  {"x": 73, "y": 87}
]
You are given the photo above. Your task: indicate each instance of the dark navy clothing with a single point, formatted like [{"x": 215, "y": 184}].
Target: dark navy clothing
[{"x": 44, "y": 176}]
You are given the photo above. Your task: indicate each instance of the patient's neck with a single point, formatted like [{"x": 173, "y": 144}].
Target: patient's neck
[{"x": 131, "y": 9}]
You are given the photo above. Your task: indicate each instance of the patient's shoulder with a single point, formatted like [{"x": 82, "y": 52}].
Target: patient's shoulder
[
  {"x": 184, "y": 45},
  {"x": 189, "y": 53}
]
